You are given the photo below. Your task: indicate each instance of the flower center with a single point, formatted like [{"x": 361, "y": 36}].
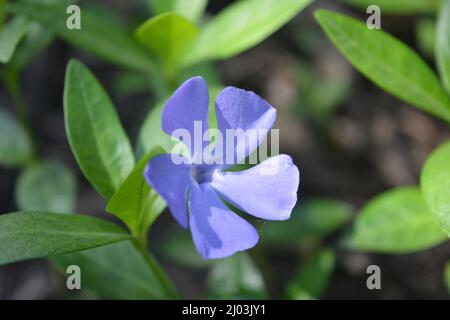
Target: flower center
[{"x": 202, "y": 173}]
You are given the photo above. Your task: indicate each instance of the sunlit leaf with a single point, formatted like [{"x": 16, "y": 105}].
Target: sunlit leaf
[
  {"x": 46, "y": 186},
  {"x": 167, "y": 36},
  {"x": 435, "y": 184},
  {"x": 388, "y": 62},
  {"x": 15, "y": 146},
  {"x": 95, "y": 133},
  {"x": 396, "y": 221},
  {"x": 116, "y": 271},
  {"x": 30, "y": 235},
  {"x": 241, "y": 26},
  {"x": 191, "y": 9}
]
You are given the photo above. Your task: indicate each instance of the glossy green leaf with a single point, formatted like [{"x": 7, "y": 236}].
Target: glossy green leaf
[
  {"x": 447, "y": 276},
  {"x": 387, "y": 62},
  {"x": 311, "y": 219},
  {"x": 313, "y": 276},
  {"x": 435, "y": 184},
  {"x": 30, "y": 235},
  {"x": 47, "y": 186},
  {"x": 399, "y": 6},
  {"x": 192, "y": 9},
  {"x": 241, "y": 26},
  {"x": 10, "y": 36},
  {"x": 135, "y": 202},
  {"x": 236, "y": 277},
  {"x": 97, "y": 35},
  {"x": 167, "y": 36},
  {"x": 443, "y": 44},
  {"x": 15, "y": 146},
  {"x": 95, "y": 133},
  {"x": 116, "y": 271},
  {"x": 396, "y": 221}
]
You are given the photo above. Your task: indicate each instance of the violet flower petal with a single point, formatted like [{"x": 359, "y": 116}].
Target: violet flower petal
[
  {"x": 240, "y": 109},
  {"x": 172, "y": 182},
  {"x": 267, "y": 190},
  {"x": 216, "y": 230},
  {"x": 188, "y": 104}
]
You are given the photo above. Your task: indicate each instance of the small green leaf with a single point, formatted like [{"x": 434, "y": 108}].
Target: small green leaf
[
  {"x": 192, "y": 9},
  {"x": 10, "y": 36},
  {"x": 46, "y": 186},
  {"x": 167, "y": 36},
  {"x": 236, "y": 278},
  {"x": 399, "y": 6},
  {"x": 135, "y": 202},
  {"x": 447, "y": 276},
  {"x": 116, "y": 271},
  {"x": 396, "y": 221},
  {"x": 15, "y": 146},
  {"x": 31, "y": 235},
  {"x": 443, "y": 44},
  {"x": 426, "y": 36},
  {"x": 95, "y": 133},
  {"x": 387, "y": 62},
  {"x": 98, "y": 35},
  {"x": 313, "y": 276},
  {"x": 435, "y": 184},
  {"x": 312, "y": 219},
  {"x": 241, "y": 26}
]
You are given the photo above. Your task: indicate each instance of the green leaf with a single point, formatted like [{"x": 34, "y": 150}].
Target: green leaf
[
  {"x": 15, "y": 146},
  {"x": 98, "y": 35},
  {"x": 447, "y": 276},
  {"x": 135, "y": 202},
  {"x": 31, "y": 235},
  {"x": 116, "y": 271},
  {"x": 396, "y": 221},
  {"x": 313, "y": 277},
  {"x": 167, "y": 36},
  {"x": 46, "y": 186},
  {"x": 95, "y": 133},
  {"x": 10, "y": 36},
  {"x": 435, "y": 184},
  {"x": 241, "y": 26},
  {"x": 387, "y": 62},
  {"x": 443, "y": 44},
  {"x": 312, "y": 219},
  {"x": 236, "y": 278},
  {"x": 399, "y": 6},
  {"x": 192, "y": 9}
]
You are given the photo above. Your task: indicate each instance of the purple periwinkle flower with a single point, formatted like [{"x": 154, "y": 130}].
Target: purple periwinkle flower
[{"x": 194, "y": 190}]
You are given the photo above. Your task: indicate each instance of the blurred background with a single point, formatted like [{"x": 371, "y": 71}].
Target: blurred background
[{"x": 350, "y": 140}]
